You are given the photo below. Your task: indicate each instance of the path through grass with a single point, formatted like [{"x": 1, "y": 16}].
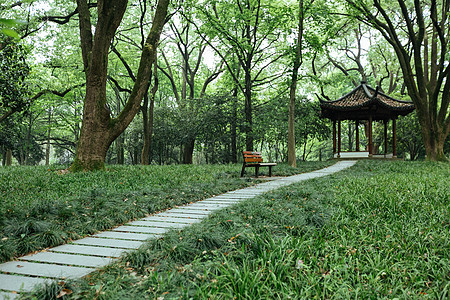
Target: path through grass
[
  {"x": 380, "y": 229},
  {"x": 40, "y": 207}
]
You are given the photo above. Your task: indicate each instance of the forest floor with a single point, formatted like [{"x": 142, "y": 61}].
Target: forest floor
[{"x": 378, "y": 230}]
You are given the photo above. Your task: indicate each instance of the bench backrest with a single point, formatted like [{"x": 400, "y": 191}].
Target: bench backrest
[{"x": 252, "y": 157}]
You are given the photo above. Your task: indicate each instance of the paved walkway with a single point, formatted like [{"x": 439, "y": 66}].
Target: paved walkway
[{"x": 83, "y": 256}]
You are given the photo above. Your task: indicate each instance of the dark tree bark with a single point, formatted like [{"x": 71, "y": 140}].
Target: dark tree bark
[{"x": 99, "y": 129}]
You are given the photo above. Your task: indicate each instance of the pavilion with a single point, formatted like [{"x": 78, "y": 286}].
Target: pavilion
[{"x": 364, "y": 104}]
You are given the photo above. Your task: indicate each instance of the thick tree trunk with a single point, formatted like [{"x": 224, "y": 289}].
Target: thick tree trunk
[
  {"x": 188, "y": 151},
  {"x": 99, "y": 130},
  {"x": 434, "y": 136}
]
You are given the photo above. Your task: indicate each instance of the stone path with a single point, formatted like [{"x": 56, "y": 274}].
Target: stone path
[{"x": 83, "y": 256}]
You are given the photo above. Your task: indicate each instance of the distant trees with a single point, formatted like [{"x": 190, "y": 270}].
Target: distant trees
[
  {"x": 227, "y": 78},
  {"x": 250, "y": 30}
]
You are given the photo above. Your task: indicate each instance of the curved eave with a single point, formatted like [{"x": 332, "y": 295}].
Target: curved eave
[{"x": 371, "y": 99}]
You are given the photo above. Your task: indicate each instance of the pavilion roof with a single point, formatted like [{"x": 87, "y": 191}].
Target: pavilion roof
[{"x": 364, "y": 101}]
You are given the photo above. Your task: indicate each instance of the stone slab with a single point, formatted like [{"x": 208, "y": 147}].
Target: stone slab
[
  {"x": 140, "y": 229},
  {"x": 227, "y": 202},
  {"x": 88, "y": 250},
  {"x": 207, "y": 206},
  {"x": 172, "y": 214},
  {"x": 232, "y": 196},
  {"x": 126, "y": 235},
  {"x": 8, "y": 296},
  {"x": 160, "y": 218},
  {"x": 186, "y": 211},
  {"x": 20, "y": 283},
  {"x": 44, "y": 270},
  {"x": 68, "y": 259},
  {"x": 92, "y": 241},
  {"x": 250, "y": 194},
  {"x": 160, "y": 224}
]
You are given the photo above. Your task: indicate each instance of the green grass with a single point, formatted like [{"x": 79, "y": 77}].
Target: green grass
[
  {"x": 41, "y": 207},
  {"x": 378, "y": 230}
]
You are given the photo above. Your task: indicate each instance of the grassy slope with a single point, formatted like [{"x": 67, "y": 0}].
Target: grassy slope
[
  {"x": 40, "y": 208},
  {"x": 378, "y": 230}
]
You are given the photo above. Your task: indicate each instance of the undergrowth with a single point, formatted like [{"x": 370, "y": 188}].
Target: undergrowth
[
  {"x": 378, "y": 230},
  {"x": 41, "y": 207}
]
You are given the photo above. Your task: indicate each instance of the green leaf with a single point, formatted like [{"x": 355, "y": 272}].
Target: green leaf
[
  {"x": 10, "y": 32},
  {"x": 8, "y": 22},
  {"x": 12, "y": 22}
]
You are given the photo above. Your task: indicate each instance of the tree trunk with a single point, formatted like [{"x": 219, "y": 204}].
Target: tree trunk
[
  {"x": 8, "y": 157},
  {"x": 98, "y": 129},
  {"x": 248, "y": 113},
  {"x": 292, "y": 159},
  {"x": 120, "y": 152},
  {"x": 148, "y": 119},
  {"x": 47, "y": 147},
  {"x": 248, "y": 93},
  {"x": 188, "y": 151},
  {"x": 234, "y": 127}
]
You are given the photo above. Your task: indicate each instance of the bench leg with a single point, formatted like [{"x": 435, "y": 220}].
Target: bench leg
[
  {"x": 270, "y": 171},
  {"x": 243, "y": 170},
  {"x": 256, "y": 171}
]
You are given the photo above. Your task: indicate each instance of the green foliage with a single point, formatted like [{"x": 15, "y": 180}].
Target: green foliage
[
  {"x": 378, "y": 230},
  {"x": 409, "y": 137},
  {"x": 13, "y": 72},
  {"x": 7, "y": 25}
]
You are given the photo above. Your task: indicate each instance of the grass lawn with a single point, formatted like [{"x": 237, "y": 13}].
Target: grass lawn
[
  {"x": 377, "y": 230},
  {"x": 40, "y": 208}
]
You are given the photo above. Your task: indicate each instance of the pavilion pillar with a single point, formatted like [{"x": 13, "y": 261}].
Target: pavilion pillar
[
  {"x": 370, "y": 137},
  {"x": 339, "y": 139},
  {"x": 357, "y": 135},
  {"x": 394, "y": 138},
  {"x": 334, "y": 137},
  {"x": 385, "y": 137}
]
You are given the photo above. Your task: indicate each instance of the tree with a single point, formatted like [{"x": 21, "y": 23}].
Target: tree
[
  {"x": 99, "y": 129},
  {"x": 292, "y": 160},
  {"x": 419, "y": 34},
  {"x": 249, "y": 29},
  {"x": 191, "y": 49}
]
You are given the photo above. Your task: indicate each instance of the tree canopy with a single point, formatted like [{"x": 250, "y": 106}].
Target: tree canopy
[{"x": 140, "y": 81}]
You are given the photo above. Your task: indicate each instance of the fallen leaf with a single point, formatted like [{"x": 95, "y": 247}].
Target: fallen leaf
[{"x": 64, "y": 292}]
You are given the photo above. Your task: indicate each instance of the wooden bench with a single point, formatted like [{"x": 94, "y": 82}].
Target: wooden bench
[{"x": 255, "y": 160}]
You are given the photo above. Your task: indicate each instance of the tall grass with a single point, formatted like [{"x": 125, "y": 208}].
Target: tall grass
[
  {"x": 378, "y": 230},
  {"x": 41, "y": 207}
]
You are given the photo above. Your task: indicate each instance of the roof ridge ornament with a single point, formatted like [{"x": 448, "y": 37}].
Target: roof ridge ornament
[
  {"x": 376, "y": 91},
  {"x": 366, "y": 90}
]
